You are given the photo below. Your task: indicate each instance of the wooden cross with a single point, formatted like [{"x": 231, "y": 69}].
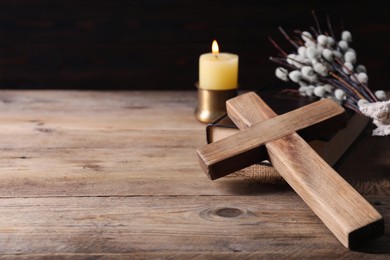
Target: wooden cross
[{"x": 342, "y": 209}]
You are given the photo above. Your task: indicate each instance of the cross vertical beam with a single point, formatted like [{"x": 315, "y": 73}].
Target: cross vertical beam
[{"x": 341, "y": 208}]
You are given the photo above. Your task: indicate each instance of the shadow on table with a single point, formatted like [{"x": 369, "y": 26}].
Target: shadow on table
[
  {"x": 237, "y": 185},
  {"x": 380, "y": 245},
  {"x": 366, "y": 166}
]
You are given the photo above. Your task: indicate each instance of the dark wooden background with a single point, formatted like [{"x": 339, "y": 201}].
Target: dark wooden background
[{"x": 143, "y": 44}]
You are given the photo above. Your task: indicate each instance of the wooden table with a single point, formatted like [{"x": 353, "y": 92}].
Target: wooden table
[{"x": 115, "y": 174}]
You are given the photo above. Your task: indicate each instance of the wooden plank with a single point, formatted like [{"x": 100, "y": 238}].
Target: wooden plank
[
  {"x": 94, "y": 172},
  {"x": 266, "y": 225},
  {"x": 57, "y": 143},
  {"x": 105, "y": 110},
  {"x": 343, "y": 210}
]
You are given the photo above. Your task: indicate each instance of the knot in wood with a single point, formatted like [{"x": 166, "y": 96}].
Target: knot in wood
[{"x": 228, "y": 212}]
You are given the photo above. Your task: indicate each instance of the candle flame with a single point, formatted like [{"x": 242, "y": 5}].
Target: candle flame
[{"x": 215, "y": 48}]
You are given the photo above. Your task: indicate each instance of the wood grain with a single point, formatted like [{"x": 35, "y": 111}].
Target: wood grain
[
  {"x": 226, "y": 156},
  {"x": 343, "y": 210},
  {"x": 162, "y": 225},
  {"x": 87, "y": 174}
]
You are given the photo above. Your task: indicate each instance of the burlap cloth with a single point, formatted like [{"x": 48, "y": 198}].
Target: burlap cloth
[{"x": 366, "y": 166}]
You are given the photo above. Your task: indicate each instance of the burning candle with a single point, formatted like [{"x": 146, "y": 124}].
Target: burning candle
[{"x": 218, "y": 71}]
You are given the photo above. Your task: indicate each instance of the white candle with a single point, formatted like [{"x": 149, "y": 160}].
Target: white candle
[{"x": 218, "y": 71}]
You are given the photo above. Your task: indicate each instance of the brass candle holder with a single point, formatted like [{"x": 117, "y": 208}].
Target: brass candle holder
[{"x": 212, "y": 103}]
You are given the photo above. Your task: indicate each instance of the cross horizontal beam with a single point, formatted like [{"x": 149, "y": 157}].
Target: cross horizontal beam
[{"x": 247, "y": 147}]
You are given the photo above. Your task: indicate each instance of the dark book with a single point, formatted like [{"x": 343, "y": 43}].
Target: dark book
[{"x": 330, "y": 139}]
